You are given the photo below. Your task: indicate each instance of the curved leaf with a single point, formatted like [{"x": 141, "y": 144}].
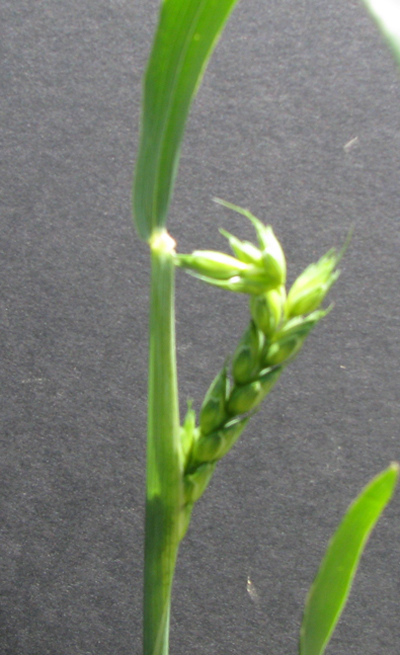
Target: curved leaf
[
  {"x": 330, "y": 590},
  {"x": 186, "y": 35},
  {"x": 387, "y": 15}
]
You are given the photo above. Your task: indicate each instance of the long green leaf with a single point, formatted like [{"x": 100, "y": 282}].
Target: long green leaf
[
  {"x": 387, "y": 15},
  {"x": 330, "y": 590},
  {"x": 187, "y": 32}
]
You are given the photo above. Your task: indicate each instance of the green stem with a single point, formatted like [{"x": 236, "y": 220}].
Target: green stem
[{"x": 164, "y": 461}]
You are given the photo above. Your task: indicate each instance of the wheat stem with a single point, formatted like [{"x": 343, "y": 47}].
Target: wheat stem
[{"x": 164, "y": 466}]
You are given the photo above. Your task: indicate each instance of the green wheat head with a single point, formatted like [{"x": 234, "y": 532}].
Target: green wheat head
[{"x": 279, "y": 323}]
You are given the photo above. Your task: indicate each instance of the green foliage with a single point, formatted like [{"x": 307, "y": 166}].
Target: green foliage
[
  {"x": 186, "y": 35},
  {"x": 182, "y": 460},
  {"x": 329, "y": 593},
  {"x": 387, "y": 16}
]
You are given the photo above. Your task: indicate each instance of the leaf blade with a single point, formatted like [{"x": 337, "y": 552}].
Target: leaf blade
[
  {"x": 387, "y": 15},
  {"x": 329, "y": 592},
  {"x": 187, "y": 33}
]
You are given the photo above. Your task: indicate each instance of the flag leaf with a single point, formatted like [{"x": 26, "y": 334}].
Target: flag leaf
[{"x": 187, "y": 33}]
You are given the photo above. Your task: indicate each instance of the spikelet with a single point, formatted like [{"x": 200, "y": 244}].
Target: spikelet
[
  {"x": 253, "y": 271},
  {"x": 244, "y": 398},
  {"x": 267, "y": 310},
  {"x": 311, "y": 287},
  {"x": 211, "y": 263},
  {"x": 246, "y": 359},
  {"x": 272, "y": 254},
  {"x": 288, "y": 341},
  {"x": 230, "y": 433},
  {"x": 207, "y": 448},
  {"x": 281, "y": 351},
  {"x": 213, "y": 409},
  {"x": 213, "y": 446},
  {"x": 243, "y": 250},
  {"x": 250, "y": 279},
  {"x": 252, "y": 282},
  {"x": 247, "y": 397},
  {"x": 196, "y": 483}
]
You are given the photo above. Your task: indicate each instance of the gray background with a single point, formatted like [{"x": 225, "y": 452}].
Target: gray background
[{"x": 290, "y": 84}]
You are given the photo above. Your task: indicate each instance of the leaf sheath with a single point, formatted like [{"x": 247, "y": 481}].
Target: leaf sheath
[{"x": 164, "y": 494}]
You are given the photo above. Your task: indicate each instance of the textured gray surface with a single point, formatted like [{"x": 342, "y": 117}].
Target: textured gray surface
[{"x": 291, "y": 84}]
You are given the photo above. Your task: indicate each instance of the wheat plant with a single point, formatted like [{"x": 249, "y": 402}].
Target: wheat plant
[{"x": 181, "y": 459}]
